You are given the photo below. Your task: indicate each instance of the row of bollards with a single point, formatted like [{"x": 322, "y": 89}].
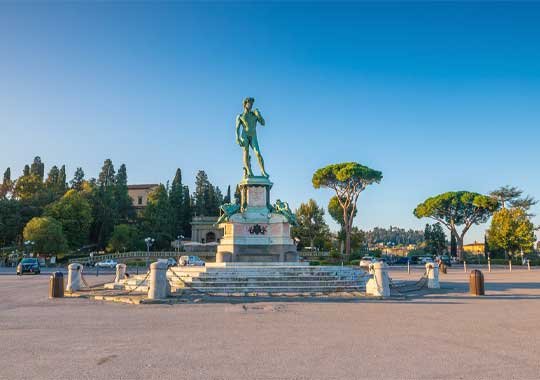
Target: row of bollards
[{"x": 159, "y": 287}]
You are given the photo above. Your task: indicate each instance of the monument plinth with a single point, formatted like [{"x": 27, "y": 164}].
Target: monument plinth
[{"x": 255, "y": 230}]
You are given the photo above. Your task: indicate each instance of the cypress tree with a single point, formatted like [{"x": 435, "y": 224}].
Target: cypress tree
[
  {"x": 123, "y": 201},
  {"x": 227, "y": 198},
  {"x": 38, "y": 168},
  {"x": 106, "y": 177},
  {"x": 237, "y": 195},
  {"x": 78, "y": 180},
  {"x": 7, "y": 184},
  {"x": 26, "y": 171},
  {"x": 176, "y": 199}
]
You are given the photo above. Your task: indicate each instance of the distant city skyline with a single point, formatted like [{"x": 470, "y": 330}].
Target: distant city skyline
[{"x": 437, "y": 96}]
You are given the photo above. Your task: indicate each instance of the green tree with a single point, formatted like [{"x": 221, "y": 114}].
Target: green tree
[
  {"x": 176, "y": 199},
  {"x": 11, "y": 221},
  {"x": 106, "y": 177},
  {"x": 157, "y": 218},
  {"x": 458, "y": 208},
  {"x": 508, "y": 196},
  {"x": 348, "y": 180},
  {"x": 511, "y": 231},
  {"x": 311, "y": 228},
  {"x": 38, "y": 168},
  {"x": 227, "y": 198},
  {"x": 237, "y": 195},
  {"x": 435, "y": 239},
  {"x": 187, "y": 212},
  {"x": 125, "y": 237},
  {"x": 74, "y": 213},
  {"x": 206, "y": 198},
  {"x": 7, "y": 184},
  {"x": 78, "y": 180},
  {"x": 28, "y": 188},
  {"x": 47, "y": 235},
  {"x": 123, "y": 202}
]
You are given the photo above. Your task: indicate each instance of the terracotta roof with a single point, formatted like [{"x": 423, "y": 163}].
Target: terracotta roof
[{"x": 143, "y": 186}]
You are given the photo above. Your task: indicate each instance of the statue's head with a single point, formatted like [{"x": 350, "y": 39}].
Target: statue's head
[{"x": 248, "y": 103}]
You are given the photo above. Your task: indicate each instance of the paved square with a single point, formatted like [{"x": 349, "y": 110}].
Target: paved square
[{"x": 446, "y": 334}]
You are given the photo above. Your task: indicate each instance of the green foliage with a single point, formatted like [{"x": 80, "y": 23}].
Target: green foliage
[
  {"x": 355, "y": 262},
  {"x": 37, "y": 168},
  {"x": 435, "y": 239},
  {"x": 11, "y": 221},
  {"x": 74, "y": 213},
  {"x": 312, "y": 230},
  {"x": 511, "y": 231},
  {"x": 7, "y": 184},
  {"x": 125, "y": 238},
  {"x": 46, "y": 233},
  {"x": 347, "y": 180},
  {"x": 207, "y": 198},
  {"x": 158, "y": 219},
  {"x": 456, "y": 208},
  {"x": 28, "y": 188},
  {"x": 394, "y": 236},
  {"x": 336, "y": 211},
  {"x": 78, "y": 180},
  {"x": 511, "y": 196}
]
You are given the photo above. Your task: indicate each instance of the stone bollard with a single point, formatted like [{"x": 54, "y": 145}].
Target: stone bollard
[
  {"x": 432, "y": 270},
  {"x": 74, "y": 277},
  {"x": 158, "y": 285},
  {"x": 120, "y": 272},
  {"x": 379, "y": 284}
]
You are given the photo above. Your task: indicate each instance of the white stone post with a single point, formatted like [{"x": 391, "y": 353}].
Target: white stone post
[
  {"x": 432, "y": 270},
  {"x": 379, "y": 284},
  {"x": 158, "y": 286},
  {"x": 74, "y": 277},
  {"x": 120, "y": 272}
]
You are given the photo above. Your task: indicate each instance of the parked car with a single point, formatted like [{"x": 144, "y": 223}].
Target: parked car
[
  {"x": 366, "y": 261},
  {"x": 28, "y": 265},
  {"x": 106, "y": 264},
  {"x": 426, "y": 260},
  {"x": 171, "y": 262},
  {"x": 400, "y": 261},
  {"x": 446, "y": 260},
  {"x": 191, "y": 261}
]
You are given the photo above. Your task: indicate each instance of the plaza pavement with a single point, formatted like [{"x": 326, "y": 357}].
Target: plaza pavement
[{"x": 446, "y": 334}]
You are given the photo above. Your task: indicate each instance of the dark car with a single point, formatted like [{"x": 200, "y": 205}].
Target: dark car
[
  {"x": 28, "y": 265},
  {"x": 401, "y": 261}
]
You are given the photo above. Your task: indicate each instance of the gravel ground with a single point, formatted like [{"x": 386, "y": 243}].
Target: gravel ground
[{"x": 442, "y": 335}]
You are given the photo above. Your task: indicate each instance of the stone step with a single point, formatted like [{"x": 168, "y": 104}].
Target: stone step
[
  {"x": 237, "y": 284},
  {"x": 269, "y": 278},
  {"x": 275, "y": 289}
]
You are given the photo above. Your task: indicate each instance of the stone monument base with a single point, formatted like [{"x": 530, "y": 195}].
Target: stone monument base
[{"x": 258, "y": 232}]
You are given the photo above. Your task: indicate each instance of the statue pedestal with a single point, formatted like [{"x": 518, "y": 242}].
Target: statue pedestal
[{"x": 256, "y": 233}]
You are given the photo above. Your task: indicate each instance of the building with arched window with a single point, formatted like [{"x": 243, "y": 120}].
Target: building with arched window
[{"x": 204, "y": 231}]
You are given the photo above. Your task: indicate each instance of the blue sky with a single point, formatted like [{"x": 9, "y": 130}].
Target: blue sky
[{"x": 438, "y": 96}]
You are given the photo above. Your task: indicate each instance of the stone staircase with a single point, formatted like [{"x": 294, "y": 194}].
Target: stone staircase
[
  {"x": 259, "y": 279},
  {"x": 242, "y": 279}
]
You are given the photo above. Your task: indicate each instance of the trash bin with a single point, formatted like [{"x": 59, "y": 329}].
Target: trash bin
[
  {"x": 56, "y": 285},
  {"x": 476, "y": 283}
]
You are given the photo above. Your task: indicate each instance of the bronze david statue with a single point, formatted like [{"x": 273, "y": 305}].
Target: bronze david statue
[{"x": 246, "y": 135}]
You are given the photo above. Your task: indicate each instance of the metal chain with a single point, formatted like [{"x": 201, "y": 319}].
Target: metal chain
[{"x": 138, "y": 285}]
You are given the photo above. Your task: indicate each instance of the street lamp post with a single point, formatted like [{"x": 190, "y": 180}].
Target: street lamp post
[
  {"x": 149, "y": 242},
  {"x": 28, "y": 244}
]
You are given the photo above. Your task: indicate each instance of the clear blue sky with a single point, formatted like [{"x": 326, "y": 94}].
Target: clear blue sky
[{"x": 438, "y": 97}]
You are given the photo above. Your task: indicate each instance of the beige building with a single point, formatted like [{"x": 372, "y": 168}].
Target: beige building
[
  {"x": 139, "y": 194},
  {"x": 203, "y": 230}
]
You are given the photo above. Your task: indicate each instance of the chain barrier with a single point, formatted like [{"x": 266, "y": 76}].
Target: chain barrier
[
  {"x": 418, "y": 285},
  {"x": 138, "y": 285},
  {"x": 188, "y": 285}
]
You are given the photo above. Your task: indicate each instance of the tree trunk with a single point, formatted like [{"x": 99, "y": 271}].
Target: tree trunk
[
  {"x": 459, "y": 247},
  {"x": 348, "y": 243}
]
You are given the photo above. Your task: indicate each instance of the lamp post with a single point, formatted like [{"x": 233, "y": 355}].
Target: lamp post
[
  {"x": 178, "y": 242},
  {"x": 149, "y": 242},
  {"x": 28, "y": 244}
]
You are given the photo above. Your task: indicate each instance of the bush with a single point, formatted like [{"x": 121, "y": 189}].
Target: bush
[
  {"x": 314, "y": 263},
  {"x": 354, "y": 262}
]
